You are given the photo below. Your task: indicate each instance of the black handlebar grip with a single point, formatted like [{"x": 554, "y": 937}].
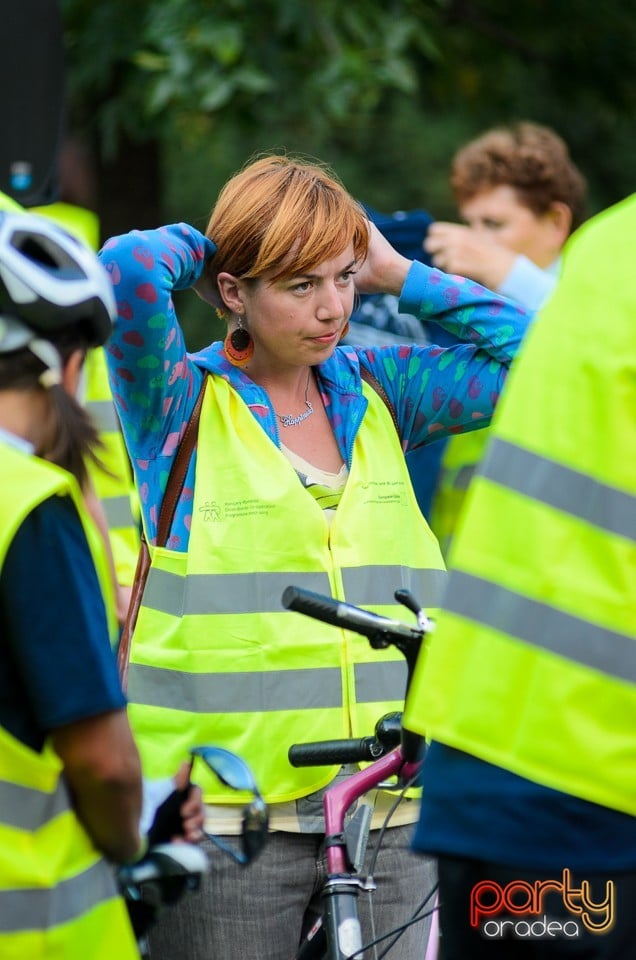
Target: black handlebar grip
[
  {"x": 324, "y": 753},
  {"x": 346, "y": 615},
  {"x": 312, "y": 604}
]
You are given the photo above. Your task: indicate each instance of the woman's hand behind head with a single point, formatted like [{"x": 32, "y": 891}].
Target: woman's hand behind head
[{"x": 384, "y": 270}]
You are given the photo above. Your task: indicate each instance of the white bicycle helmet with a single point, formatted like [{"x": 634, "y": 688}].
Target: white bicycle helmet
[{"x": 49, "y": 281}]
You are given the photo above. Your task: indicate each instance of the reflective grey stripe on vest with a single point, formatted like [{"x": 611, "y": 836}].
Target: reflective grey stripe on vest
[
  {"x": 262, "y": 592},
  {"x": 257, "y": 692},
  {"x": 118, "y": 512},
  {"x": 462, "y": 477},
  {"x": 560, "y": 487},
  {"x": 377, "y": 682},
  {"x": 375, "y": 585},
  {"x": 262, "y": 691},
  {"x": 542, "y": 626},
  {"x": 103, "y": 415},
  {"x": 27, "y": 809},
  {"x": 39, "y": 909},
  {"x": 224, "y": 592}
]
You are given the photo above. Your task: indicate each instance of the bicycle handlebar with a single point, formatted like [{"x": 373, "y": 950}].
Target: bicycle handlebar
[
  {"x": 163, "y": 862},
  {"x": 343, "y": 853},
  {"x": 328, "y": 752},
  {"x": 341, "y": 614}
]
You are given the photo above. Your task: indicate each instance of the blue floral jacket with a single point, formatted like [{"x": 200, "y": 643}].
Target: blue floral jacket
[{"x": 155, "y": 381}]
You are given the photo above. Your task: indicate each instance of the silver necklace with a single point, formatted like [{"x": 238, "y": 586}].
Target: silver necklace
[{"x": 288, "y": 420}]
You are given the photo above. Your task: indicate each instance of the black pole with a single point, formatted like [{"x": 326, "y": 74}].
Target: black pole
[{"x": 31, "y": 100}]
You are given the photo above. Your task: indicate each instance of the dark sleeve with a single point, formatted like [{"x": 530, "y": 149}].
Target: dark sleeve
[{"x": 56, "y": 641}]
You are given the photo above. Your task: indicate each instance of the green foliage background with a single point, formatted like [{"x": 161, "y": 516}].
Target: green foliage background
[{"x": 385, "y": 92}]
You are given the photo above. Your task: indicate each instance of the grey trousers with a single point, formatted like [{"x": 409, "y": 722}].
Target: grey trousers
[{"x": 257, "y": 912}]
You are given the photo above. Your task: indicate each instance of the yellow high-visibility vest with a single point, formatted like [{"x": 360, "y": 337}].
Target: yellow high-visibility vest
[
  {"x": 8, "y": 205},
  {"x": 114, "y": 484},
  {"x": 461, "y": 457},
  {"x": 217, "y": 659},
  {"x": 81, "y": 222},
  {"x": 58, "y": 897},
  {"x": 533, "y": 663}
]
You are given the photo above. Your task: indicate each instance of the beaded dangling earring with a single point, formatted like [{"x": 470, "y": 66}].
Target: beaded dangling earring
[
  {"x": 238, "y": 345},
  {"x": 345, "y": 331}
]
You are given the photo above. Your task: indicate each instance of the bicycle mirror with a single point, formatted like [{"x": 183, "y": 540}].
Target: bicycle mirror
[{"x": 228, "y": 767}]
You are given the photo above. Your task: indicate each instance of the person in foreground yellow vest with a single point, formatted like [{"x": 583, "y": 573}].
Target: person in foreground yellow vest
[
  {"x": 298, "y": 477},
  {"x": 527, "y": 690},
  {"x": 70, "y": 777}
]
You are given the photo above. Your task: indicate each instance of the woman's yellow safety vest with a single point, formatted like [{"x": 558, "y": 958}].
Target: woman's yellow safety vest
[
  {"x": 215, "y": 657},
  {"x": 58, "y": 897},
  {"x": 533, "y": 663}
]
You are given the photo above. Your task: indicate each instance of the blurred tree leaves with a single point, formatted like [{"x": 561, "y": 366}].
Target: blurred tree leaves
[
  {"x": 314, "y": 62},
  {"x": 323, "y": 71},
  {"x": 176, "y": 94}
]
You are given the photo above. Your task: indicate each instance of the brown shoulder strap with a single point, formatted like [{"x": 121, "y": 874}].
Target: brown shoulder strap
[
  {"x": 176, "y": 479},
  {"x": 379, "y": 389}
]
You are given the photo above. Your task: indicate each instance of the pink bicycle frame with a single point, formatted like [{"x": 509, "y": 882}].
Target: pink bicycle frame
[
  {"x": 338, "y": 799},
  {"x": 341, "y": 918}
]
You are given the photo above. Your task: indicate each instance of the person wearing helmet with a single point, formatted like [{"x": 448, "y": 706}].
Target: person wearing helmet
[
  {"x": 109, "y": 489},
  {"x": 70, "y": 777}
]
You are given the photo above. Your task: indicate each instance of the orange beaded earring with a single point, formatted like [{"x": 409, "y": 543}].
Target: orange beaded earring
[
  {"x": 238, "y": 345},
  {"x": 345, "y": 331}
]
